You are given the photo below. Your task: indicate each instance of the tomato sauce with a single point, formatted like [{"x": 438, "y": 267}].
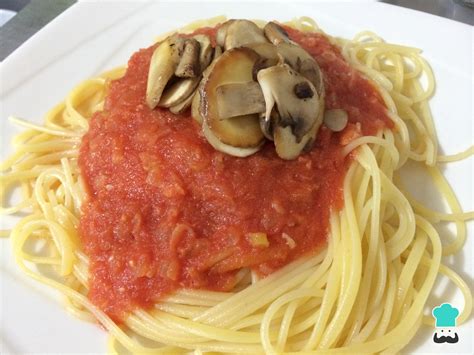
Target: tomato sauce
[{"x": 165, "y": 211}]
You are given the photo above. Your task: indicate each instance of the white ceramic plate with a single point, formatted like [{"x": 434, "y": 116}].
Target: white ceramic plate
[{"x": 93, "y": 36}]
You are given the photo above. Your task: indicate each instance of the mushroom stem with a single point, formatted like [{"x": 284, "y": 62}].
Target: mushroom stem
[{"x": 237, "y": 99}]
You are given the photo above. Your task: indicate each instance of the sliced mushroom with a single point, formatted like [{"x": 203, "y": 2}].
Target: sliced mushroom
[
  {"x": 265, "y": 50},
  {"x": 237, "y": 99},
  {"x": 242, "y": 32},
  {"x": 163, "y": 64},
  {"x": 309, "y": 68},
  {"x": 336, "y": 119},
  {"x": 196, "y": 102},
  {"x": 189, "y": 65},
  {"x": 292, "y": 54},
  {"x": 205, "y": 54},
  {"x": 178, "y": 92},
  {"x": 298, "y": 106},
  {"x": 183, "y": 106},
  {"x": 286, "y": 144},
  {"x": 295, "y": 97},
  {"x": 195, "y": 106},
  {"x": 303, "y": 63},
  {"x": 233, "y": 66},
  {"x": 225, "y": 148},
  {"x": 275, "y": 33},
  {"x": 180, "y": 95},
  {"x": 222, "y": 32}
]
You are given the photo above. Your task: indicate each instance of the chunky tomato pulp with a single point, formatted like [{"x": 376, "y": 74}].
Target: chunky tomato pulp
[{"x": 164, "y": 210}]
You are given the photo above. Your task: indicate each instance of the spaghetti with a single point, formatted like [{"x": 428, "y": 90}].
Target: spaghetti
[{"x": 365, "y": 292}]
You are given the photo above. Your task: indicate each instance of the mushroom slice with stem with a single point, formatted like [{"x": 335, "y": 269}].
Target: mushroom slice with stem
[
  {"x": 295, "y": 97},
  {"x": 237, "y": 99},
  {"x": 178, "y": 92},
  {"x": 298, "y": 106},
  {"x": 336, "y": 119},
  {"x": 275, "y": 33},
  {"x": 189, "y": 65},
  {"x": 233, "y": 66},
  {"x": 242, "y": 32},
  {"x": 163, "y": 64},
  {"x": 303, "y": 63}
]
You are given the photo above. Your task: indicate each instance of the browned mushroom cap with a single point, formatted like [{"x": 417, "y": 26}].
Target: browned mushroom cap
[
  {"x": 225, "y": 148},
  {"x": 163, "y": 64},
  {"x": 189, "y": 65},
  {"x": 298, "y": 106},
  {"x": 233, "y": 66},
  {"x": 242, "y": 32},
  {"x": 275, "y": 33},
  {"x": 303, "y": 63}
]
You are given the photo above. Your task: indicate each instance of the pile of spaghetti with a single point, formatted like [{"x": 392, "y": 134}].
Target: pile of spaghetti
[{"x": 366, "y": 290}]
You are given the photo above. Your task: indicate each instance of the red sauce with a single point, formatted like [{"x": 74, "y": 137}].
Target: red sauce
[{"x": 167, "y": 211}]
